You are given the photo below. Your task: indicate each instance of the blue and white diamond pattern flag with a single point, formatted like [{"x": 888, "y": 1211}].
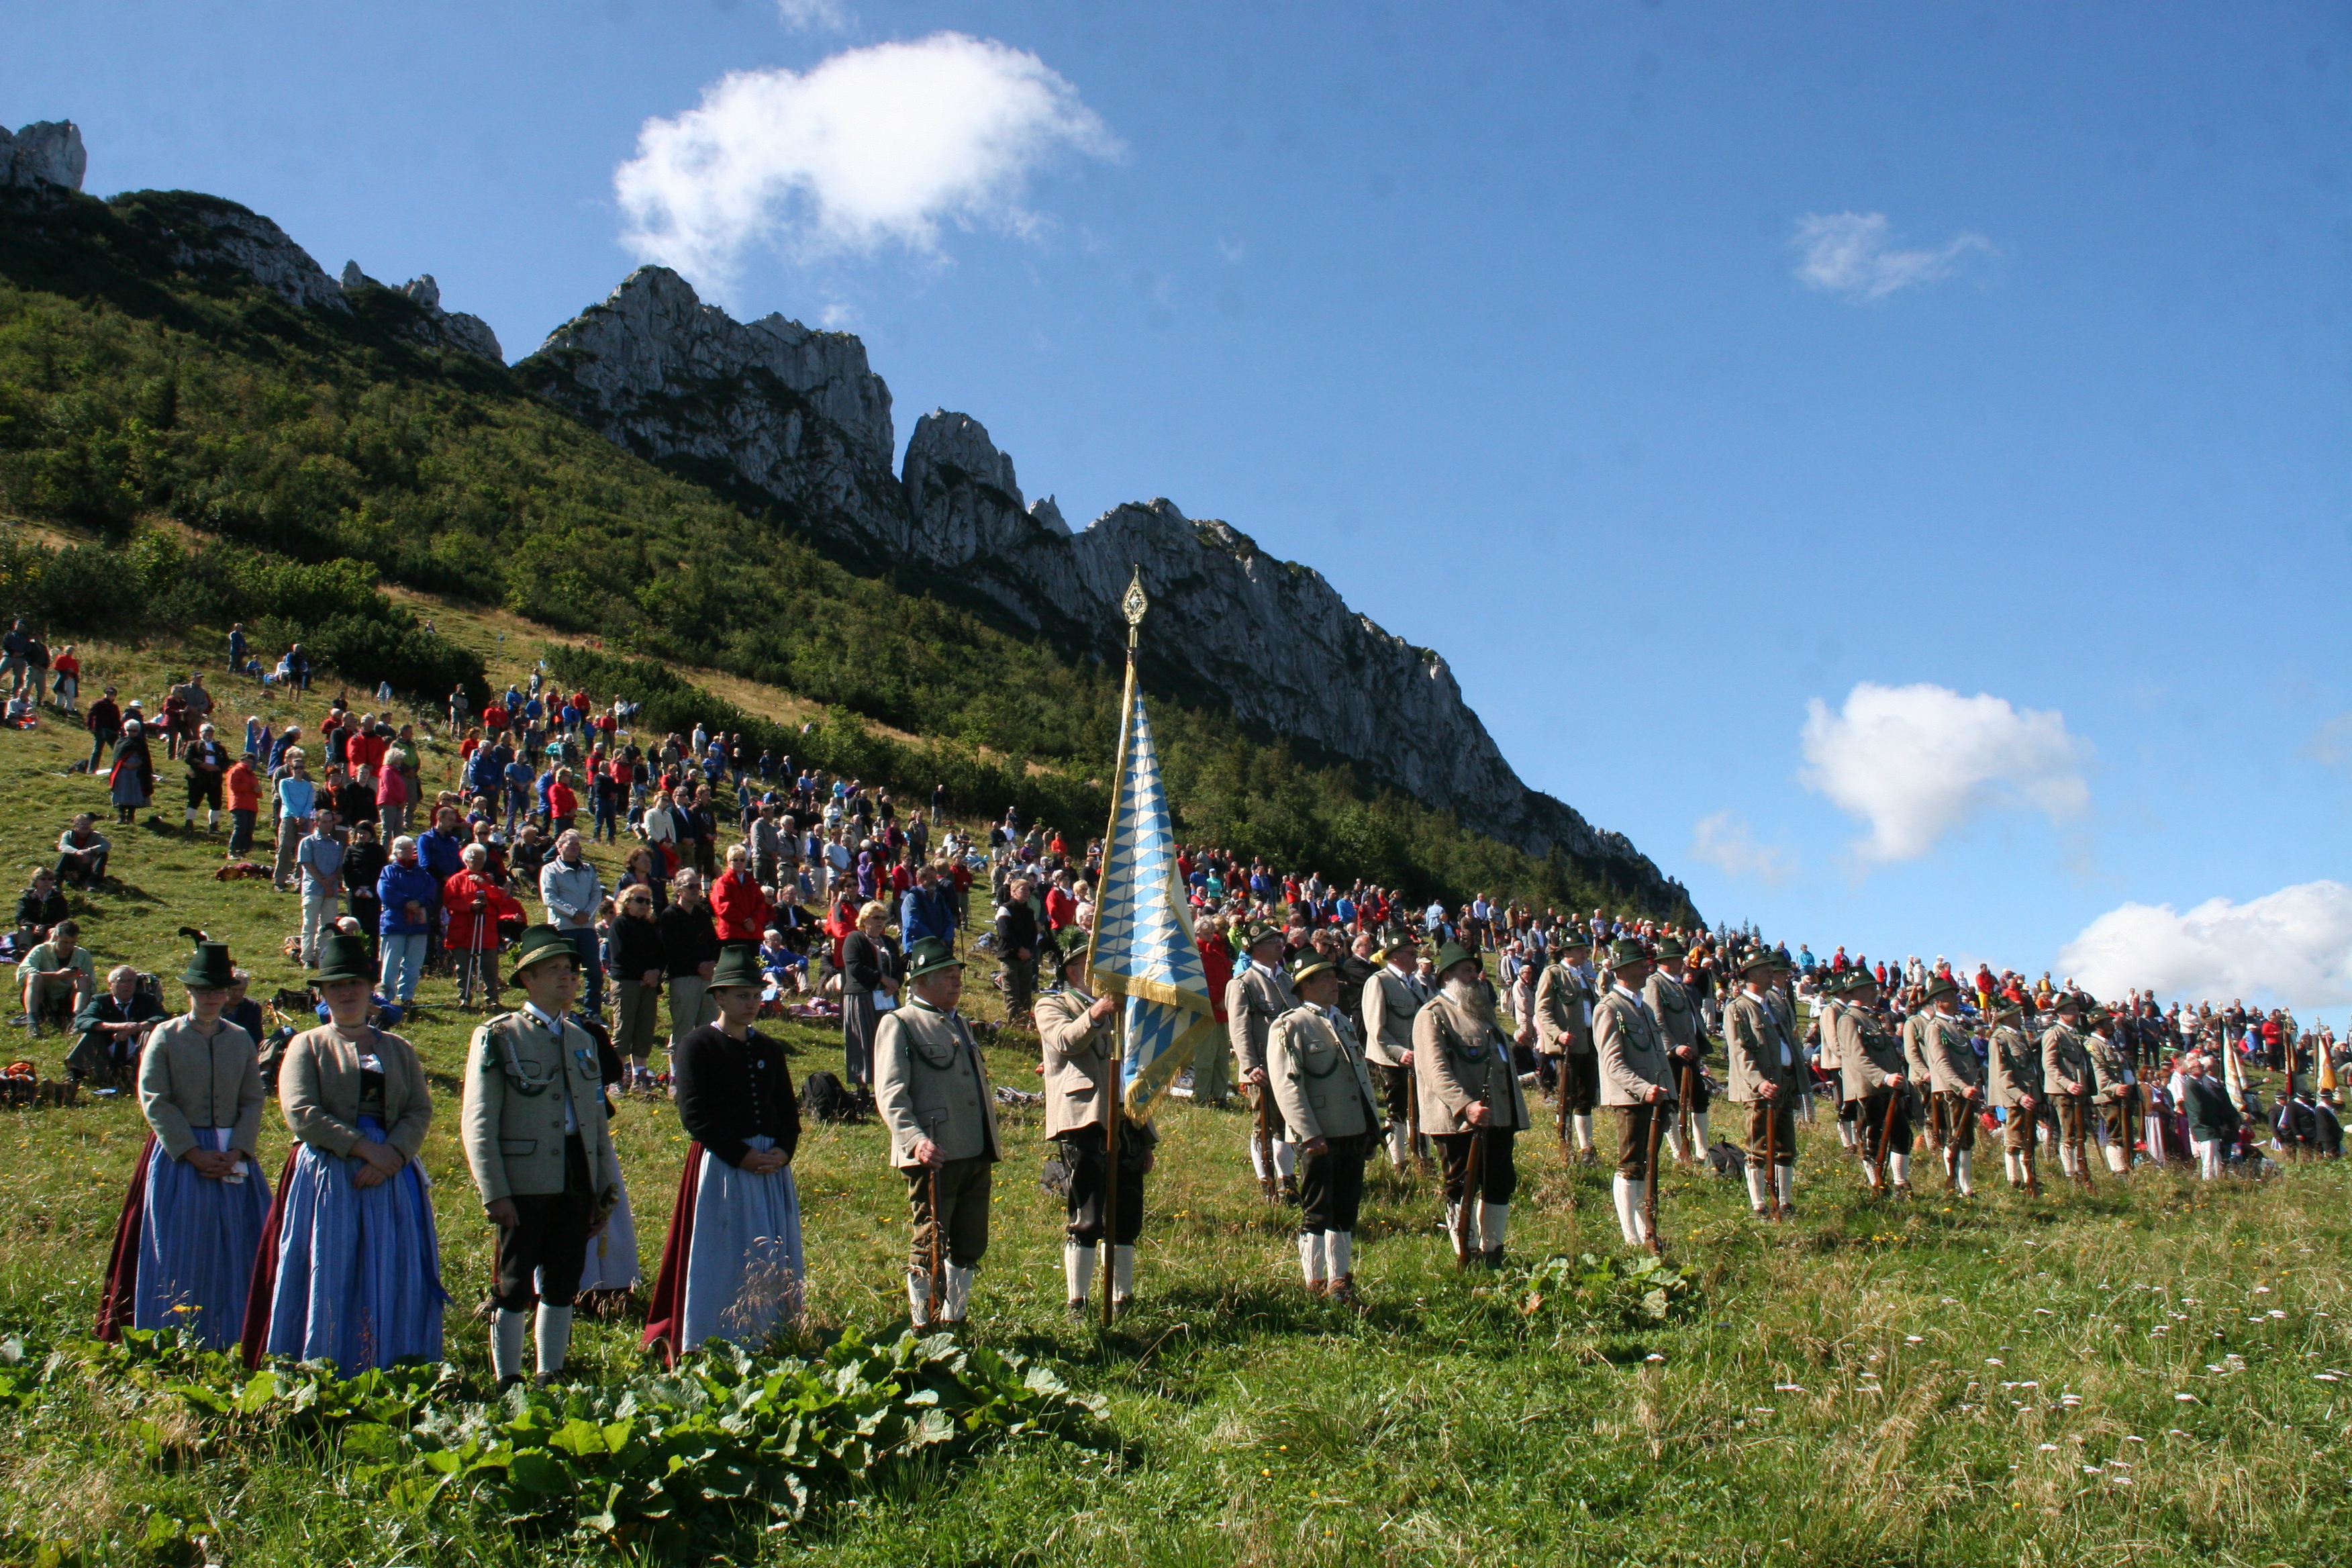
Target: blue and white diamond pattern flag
[{"x": 1143, "y": 947}]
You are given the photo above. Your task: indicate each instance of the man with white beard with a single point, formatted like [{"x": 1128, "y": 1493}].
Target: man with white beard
[
  {"x": 1635, "y": 1080},
  {"x": 1393, "y": 997},
  {"x": 1470, "y": 1103}
]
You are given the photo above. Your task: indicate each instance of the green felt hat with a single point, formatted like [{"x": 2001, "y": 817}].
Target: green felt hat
[
  {"x": 541, "y": 943},
  {"x": 2066, "y": 1002},
  {"x": 1311, "y": 962},
  {"x": 1857, "y": 978},
  {"x": 209, "y": 968},
  {"x": 1396, "y": 936},
  {"x": 1670, "y": 947},
  {"x": 1452, "y": 953},
  {"x": 1625, "y": 952},
  {"x": 930, "y": 954},
  {"x": 1942, "y": 985},
  {"x": 1762, "y": 958},
  {"x": 737, "y": 965},
  {"x": 1253, "y": 934},
  {"x": 342, "y": 957}
]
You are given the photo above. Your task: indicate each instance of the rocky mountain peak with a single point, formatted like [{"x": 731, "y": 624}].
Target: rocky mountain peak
[
  {"x": 47, "y": 151},
  {"x": 780, "y": 415}
]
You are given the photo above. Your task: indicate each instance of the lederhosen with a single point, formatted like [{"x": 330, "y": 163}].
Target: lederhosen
[
  {"x": 548, "y": 1243},
  {"x": 1498, "y": 1177},
  {"x": 1879, "y": 1134}
]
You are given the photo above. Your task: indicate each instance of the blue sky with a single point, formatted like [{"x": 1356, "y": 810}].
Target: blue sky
[{"x": 1980, "y": 374}]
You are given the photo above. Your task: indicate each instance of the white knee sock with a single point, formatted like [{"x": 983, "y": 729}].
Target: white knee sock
[
  {"x": 552, "y": 1333},
  {"x": 959, "y": 1291},
  {"x": 1845, "y": 1132},
  {"x": 1583, "y": 1125},
  {"x": 2117, "y": 1160},
  {"x": 1286, "y": 1157},
  {"x": 2014, "y": 1165},
  {"x": 1629, "y": 1195},
  {"x": 919, "y": 1296},
  {"x": 1339, "y": 1252},
  {"x": 1757, "y": 1197},
  {"x": 2067, "y": 1158},
  {"x": 1674, "y": 1138},
  {"x": 1494, "y": 1219},
  {"x": 1122, "y": 1272},
  {"x": 506, "y": 1343},
  {"x": 1077, "y": 1262},
  {"x": 1310, "y": 1257},
  {"x": 1962, "y": 1172},
  {"x": 1901, "y": 1164},
  {"x": 1260, "y": 1166},
  {"x": 1784, "y": 1178},
  {"x": 1399, "y": 1145},
  {"x": 1870, "y": 1170},
  {"x": 1706, "y": 1140},
  {"x": 192, "y": 817}
]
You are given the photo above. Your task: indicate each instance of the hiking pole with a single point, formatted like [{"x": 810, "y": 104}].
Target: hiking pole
[
  {"x": 1772, "y": 1152},
  {"x": 1650, "y": 1199}
]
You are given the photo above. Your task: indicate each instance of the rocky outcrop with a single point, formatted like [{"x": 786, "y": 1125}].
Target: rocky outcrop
[
  {"x": 783, "y": 414},
  {"x": 213, "y": 233},
  {"x": 431, "y": 324},
  {"x": 767, "y": 407},
  {"x": 47, "y": 151}
]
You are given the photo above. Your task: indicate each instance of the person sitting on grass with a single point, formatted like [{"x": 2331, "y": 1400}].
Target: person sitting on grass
[
  {"x": 40, "y": 907},
  {"x": 111, "y": 1026},
  {"x": 786, "y": 970},
  {"x": 81, "y": 853},
  {"x": 56, "y": 977}
]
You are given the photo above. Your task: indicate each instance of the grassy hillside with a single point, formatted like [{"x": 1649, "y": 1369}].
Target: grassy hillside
[
  {"x": 1986, "y": 1381},
  {"x": 131, "y": 389}
]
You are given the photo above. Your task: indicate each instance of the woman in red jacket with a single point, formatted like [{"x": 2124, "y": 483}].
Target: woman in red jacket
[
  {"x": 477, "y": 904},
  {"x": 738, "y": 908}
]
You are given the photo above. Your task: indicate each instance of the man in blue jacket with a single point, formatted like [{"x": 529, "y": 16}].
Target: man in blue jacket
[{"x": 926, "y": 911}]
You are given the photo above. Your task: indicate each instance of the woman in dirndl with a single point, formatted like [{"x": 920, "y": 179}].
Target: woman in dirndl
[
  {"x": 732, "y": 1268},
  {"x": 872, "y": 970},
  {"x": 352, "y": 1271},
  {"x": 192, "y": 1221}
]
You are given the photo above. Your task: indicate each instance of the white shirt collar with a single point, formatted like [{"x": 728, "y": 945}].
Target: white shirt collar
[{"x": 539, "y": 1012}]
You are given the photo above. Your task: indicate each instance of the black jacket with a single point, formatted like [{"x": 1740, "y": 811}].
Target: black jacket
[
  {"x": 690, "y": 940},
  {"x": 867, "y": 962},
  {"x": 32, "y": 909},
  {"x": 729, "y": 1091},
  {"x": 1016, "y": 928},
  {"x": 637, "y": 947}
]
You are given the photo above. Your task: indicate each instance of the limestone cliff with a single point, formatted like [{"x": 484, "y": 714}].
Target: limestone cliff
[{"x": 782, "y": 414}]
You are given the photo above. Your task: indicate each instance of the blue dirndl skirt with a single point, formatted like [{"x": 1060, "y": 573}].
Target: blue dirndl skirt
[
  {"x": 359, "y": 1269},
  {"x": 196, "y": 1244}
]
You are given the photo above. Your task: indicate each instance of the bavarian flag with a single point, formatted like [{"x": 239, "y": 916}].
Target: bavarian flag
[{"x": 1143, "y": 947}]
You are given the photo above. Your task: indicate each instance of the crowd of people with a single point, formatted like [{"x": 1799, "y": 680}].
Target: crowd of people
[{"x": 1358, "y": 1023}]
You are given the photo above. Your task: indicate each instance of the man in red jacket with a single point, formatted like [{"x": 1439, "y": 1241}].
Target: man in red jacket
[{"x": 738, "y": 908}]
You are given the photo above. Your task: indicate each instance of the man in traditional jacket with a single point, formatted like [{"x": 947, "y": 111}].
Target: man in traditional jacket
[
  {"x": 1767, "y": 1077},
  {"x": 1673, "y": 1002},
  {"x": 1873, "y": 1062},
  {"x": 2113, "y": 1086},
  {"x": 2013, "y": 1071},
  {"x": 1471, "y": 1103},
  {"x": 1563, "y": 1009},
  {"x": 2069, "y": 1080},
  {"x": 540, "y": 1151},
  {"x": 1955, "y": 1078},
  {"x": 1636, "y": 1082},
  {"x": 1256, "y": 996},
  {"x": 1393, "y": 999},
  {"x": 1316, "y": 1072},
  {"x": 931, "y": 1088},
  {"x": 1078, "y": 1034}
]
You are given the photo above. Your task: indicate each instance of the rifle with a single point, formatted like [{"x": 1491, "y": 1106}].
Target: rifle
[
  {"x": 1567, "y": 1153},
  {"x": 1650, "y": 1198},
  {"x": 1474, "y": 1181},
  {"x": 1262, "y": 1141},
  {"x": 1413, "y": 1141},
  {"x": 938, "y": 1270},
  {"x": 1894, "y": 1098},
  {"x": 1684, "y": 1123},
  {"x": 1772, "y": 1152}
]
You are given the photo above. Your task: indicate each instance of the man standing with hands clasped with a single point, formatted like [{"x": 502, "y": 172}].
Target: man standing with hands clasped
[
  {"x": 1635, "y": 1081},
  {"x": 1766, "y": 1076},
  {"x": 932, "y": 1090},
  {"x": 1393, "y": 999},
  {"x": 1315, "y": 1070},
  {"x": 1955, "y": 1078},
  {"x": 540, "y": 1151}
]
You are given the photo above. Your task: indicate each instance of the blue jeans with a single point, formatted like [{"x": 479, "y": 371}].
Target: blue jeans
[
  {"x": 403, "y": 961},
  {"x": 592, "y": 969}
]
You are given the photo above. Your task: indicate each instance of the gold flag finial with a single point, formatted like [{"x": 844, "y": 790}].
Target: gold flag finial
[{"x": 1132, "y": 605}]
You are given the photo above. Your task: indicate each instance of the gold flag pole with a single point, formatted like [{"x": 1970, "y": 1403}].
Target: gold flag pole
[{"x": 1132, "y": 605}]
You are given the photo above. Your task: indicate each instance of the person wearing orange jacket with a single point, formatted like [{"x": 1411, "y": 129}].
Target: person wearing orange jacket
[
  {"x": 738, "y": 908},
  {"x": 244, "y": 805}
]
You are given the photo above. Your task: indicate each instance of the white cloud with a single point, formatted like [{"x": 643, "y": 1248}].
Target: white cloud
[
  {"x": 814, "y": 15},
  {"x": 872, "y": 147},
  {"x": 1724, "y": 840},
  {"x": 2293, "y": 945},
  {"x": 1917, "y": 762},
  {"x": 2331, "y": 744},
  {"x": 1847, "y": 253}
]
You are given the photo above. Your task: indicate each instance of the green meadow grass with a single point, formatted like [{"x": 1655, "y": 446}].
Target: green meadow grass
[{"x": 2152, "y": 1374}]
